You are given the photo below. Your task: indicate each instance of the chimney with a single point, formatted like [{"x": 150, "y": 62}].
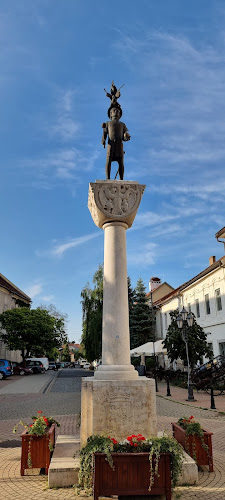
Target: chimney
[
  {"x": 154, "y": 283},
  {"x": 212, "y": 260}
]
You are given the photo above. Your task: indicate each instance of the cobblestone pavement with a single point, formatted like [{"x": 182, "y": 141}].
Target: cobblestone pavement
[{"x": 63, "y": 405}]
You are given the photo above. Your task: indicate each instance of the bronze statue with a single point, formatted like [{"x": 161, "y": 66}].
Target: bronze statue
[{"x": 116, "y": 131}]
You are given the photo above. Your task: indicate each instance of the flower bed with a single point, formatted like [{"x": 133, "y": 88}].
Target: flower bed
[
  {"x": 135, "y": 466},
  {"x": 37, "y": 450},
  {"x": 196, "y": 441},
  {"x": 130, "y": 475},
  {"x": 38, "y": 442}
]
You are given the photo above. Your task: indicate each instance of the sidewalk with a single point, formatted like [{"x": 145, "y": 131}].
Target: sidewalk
[
  {"x": 203, "y": 399},
  {"x": 28, "y": 384},
  {"x": 32, "y": 485}
]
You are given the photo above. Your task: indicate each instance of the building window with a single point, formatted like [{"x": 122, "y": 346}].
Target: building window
[
  {"x": 197, "y": 308},
  {"x": 210, "y": 346},
  {"x": 189, "y": 307},
  {"x": 165, "y": 316},
  {"x": 218, "y": 300},
  {"x": 207, "y": 304},
  {"x": 222, "y": 348}
]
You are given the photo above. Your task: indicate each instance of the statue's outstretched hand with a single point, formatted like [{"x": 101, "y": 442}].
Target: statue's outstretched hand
[{"x": 126, "y": 136}]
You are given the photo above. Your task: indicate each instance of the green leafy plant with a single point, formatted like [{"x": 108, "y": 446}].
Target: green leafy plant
[
  {"x": 192, "y": 428},
  {"x": 132, "y": 444},
  {"x": 40, "y": 426}
]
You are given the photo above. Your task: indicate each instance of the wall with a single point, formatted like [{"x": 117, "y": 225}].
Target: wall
[{"x": 7, "y": 302}]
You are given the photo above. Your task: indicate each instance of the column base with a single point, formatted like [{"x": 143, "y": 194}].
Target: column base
[
  {"x": 118, "y": 408},
  {"x": 116, "y": 372}
]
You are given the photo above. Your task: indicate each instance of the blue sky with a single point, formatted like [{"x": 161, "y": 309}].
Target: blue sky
[{"x": 56, "y": 58}]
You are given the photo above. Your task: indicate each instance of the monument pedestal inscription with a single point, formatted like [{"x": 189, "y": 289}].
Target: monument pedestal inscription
[{"x": 116, "y": 401}]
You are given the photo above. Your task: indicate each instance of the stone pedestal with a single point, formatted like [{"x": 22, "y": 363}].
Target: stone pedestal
[
  {"x": 116, "y": 401},
  {"x": 118, "y": 408}
]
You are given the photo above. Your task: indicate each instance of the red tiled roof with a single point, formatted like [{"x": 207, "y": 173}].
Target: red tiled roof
[{"x": 5, "y": 283}]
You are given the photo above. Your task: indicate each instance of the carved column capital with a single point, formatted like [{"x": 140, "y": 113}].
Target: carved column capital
[{"x": 110, "y": 201}]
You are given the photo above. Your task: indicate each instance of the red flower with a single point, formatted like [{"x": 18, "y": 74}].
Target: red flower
[
  {"x": 114, "y": 441},
  {"x": 191, "y": 417},
  {"x": 31, "y": 425},
  {"x": 39, "y": 411},
  {"x": 135, "y": 444},
  {"x": 129, "y": 438}
]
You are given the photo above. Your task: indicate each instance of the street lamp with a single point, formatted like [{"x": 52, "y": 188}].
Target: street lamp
[{"x": 184, "y": 322}]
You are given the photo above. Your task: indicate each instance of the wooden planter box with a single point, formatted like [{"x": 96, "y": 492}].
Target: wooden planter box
[
  {"x": 39, "y": 448},
  {"x": 131, "y": 475},
  {"x": 193, "y": 446}
]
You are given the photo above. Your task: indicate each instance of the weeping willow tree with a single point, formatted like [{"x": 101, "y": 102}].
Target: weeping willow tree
[{"x": 92, "y": 305}]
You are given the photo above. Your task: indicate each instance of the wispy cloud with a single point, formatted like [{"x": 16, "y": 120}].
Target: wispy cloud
[
  {"x": 144, "y": 256},
  {"x": 152, "y": 219},
  {"x": 63, "y": 164},
  {"x": 47, "y": 298},
  {"x": 34, "y": 290},
  {"x": 59, "y": 249},
  {"x": 182, "y": 112},
  {"x": 65, "y": 126}
]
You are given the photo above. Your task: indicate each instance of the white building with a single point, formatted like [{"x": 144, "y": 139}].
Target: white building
[{"x": 204, "y": 295}]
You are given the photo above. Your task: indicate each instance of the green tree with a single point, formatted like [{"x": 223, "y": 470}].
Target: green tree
[
  {"x": 142, "y": 317},
  {"x": 66, "y": 353},
  {"x": 197, "y": 342},
  {"x": 32, "y": 331},
  {"x": 130, "y": 305},
  {"x": 92, "y": 304}
]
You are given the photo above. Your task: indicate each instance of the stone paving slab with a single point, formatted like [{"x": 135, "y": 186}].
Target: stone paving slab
[{"x": 33, "y": 485}]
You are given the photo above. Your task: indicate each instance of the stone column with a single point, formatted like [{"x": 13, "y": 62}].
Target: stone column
[
  {"x": 116, "y": 400},
  {"x": 115, "y": 327}
]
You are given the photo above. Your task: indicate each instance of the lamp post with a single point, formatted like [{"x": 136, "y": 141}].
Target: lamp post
[{"x": 184, "y": 322}]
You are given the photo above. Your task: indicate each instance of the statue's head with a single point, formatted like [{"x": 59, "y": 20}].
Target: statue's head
[{"x": 115, "y": 112}]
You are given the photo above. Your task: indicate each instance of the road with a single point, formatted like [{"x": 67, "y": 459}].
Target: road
[
  {"x": 58, "y": 394},
  {"x": 55, "y": 393}
]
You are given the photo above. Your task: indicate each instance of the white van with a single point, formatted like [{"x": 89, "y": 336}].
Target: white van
[{"x": 44, "y": 361}]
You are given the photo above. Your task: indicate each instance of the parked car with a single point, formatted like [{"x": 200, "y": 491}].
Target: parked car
[
  {"x": 44, "y": 361},
  {"x": 52, "y": 365},
  {"x": 5, "y": 368},
  {"x": 58, "y": 365},
  {"x": 19, "y": 369},
  {"x": 86, "y": 366},
  {"x": 35, "y": 366}
]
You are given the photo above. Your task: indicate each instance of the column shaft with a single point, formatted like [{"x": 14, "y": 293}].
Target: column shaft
[{"x": 115, "y": 334}]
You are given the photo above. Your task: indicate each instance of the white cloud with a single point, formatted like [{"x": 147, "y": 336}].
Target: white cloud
[
  {"x": 144, "y": 256},
  {"x": 66, "y": 128},
  {"x": 151, "y": 219},
  {"x": 64, "y": 164},
  {"x": 182, "y": 111},
  {"x": 59, "y": 250},
  {"x": 34, "y": 290},
  {"x": 47, "y": 298}
]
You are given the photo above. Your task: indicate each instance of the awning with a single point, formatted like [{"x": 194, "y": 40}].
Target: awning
[{"x": 149, "y": 348}]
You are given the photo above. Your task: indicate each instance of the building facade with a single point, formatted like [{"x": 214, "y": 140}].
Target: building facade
[
  {"x": 10, "y": 298},
  {"x": 203, "y": 295}
]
